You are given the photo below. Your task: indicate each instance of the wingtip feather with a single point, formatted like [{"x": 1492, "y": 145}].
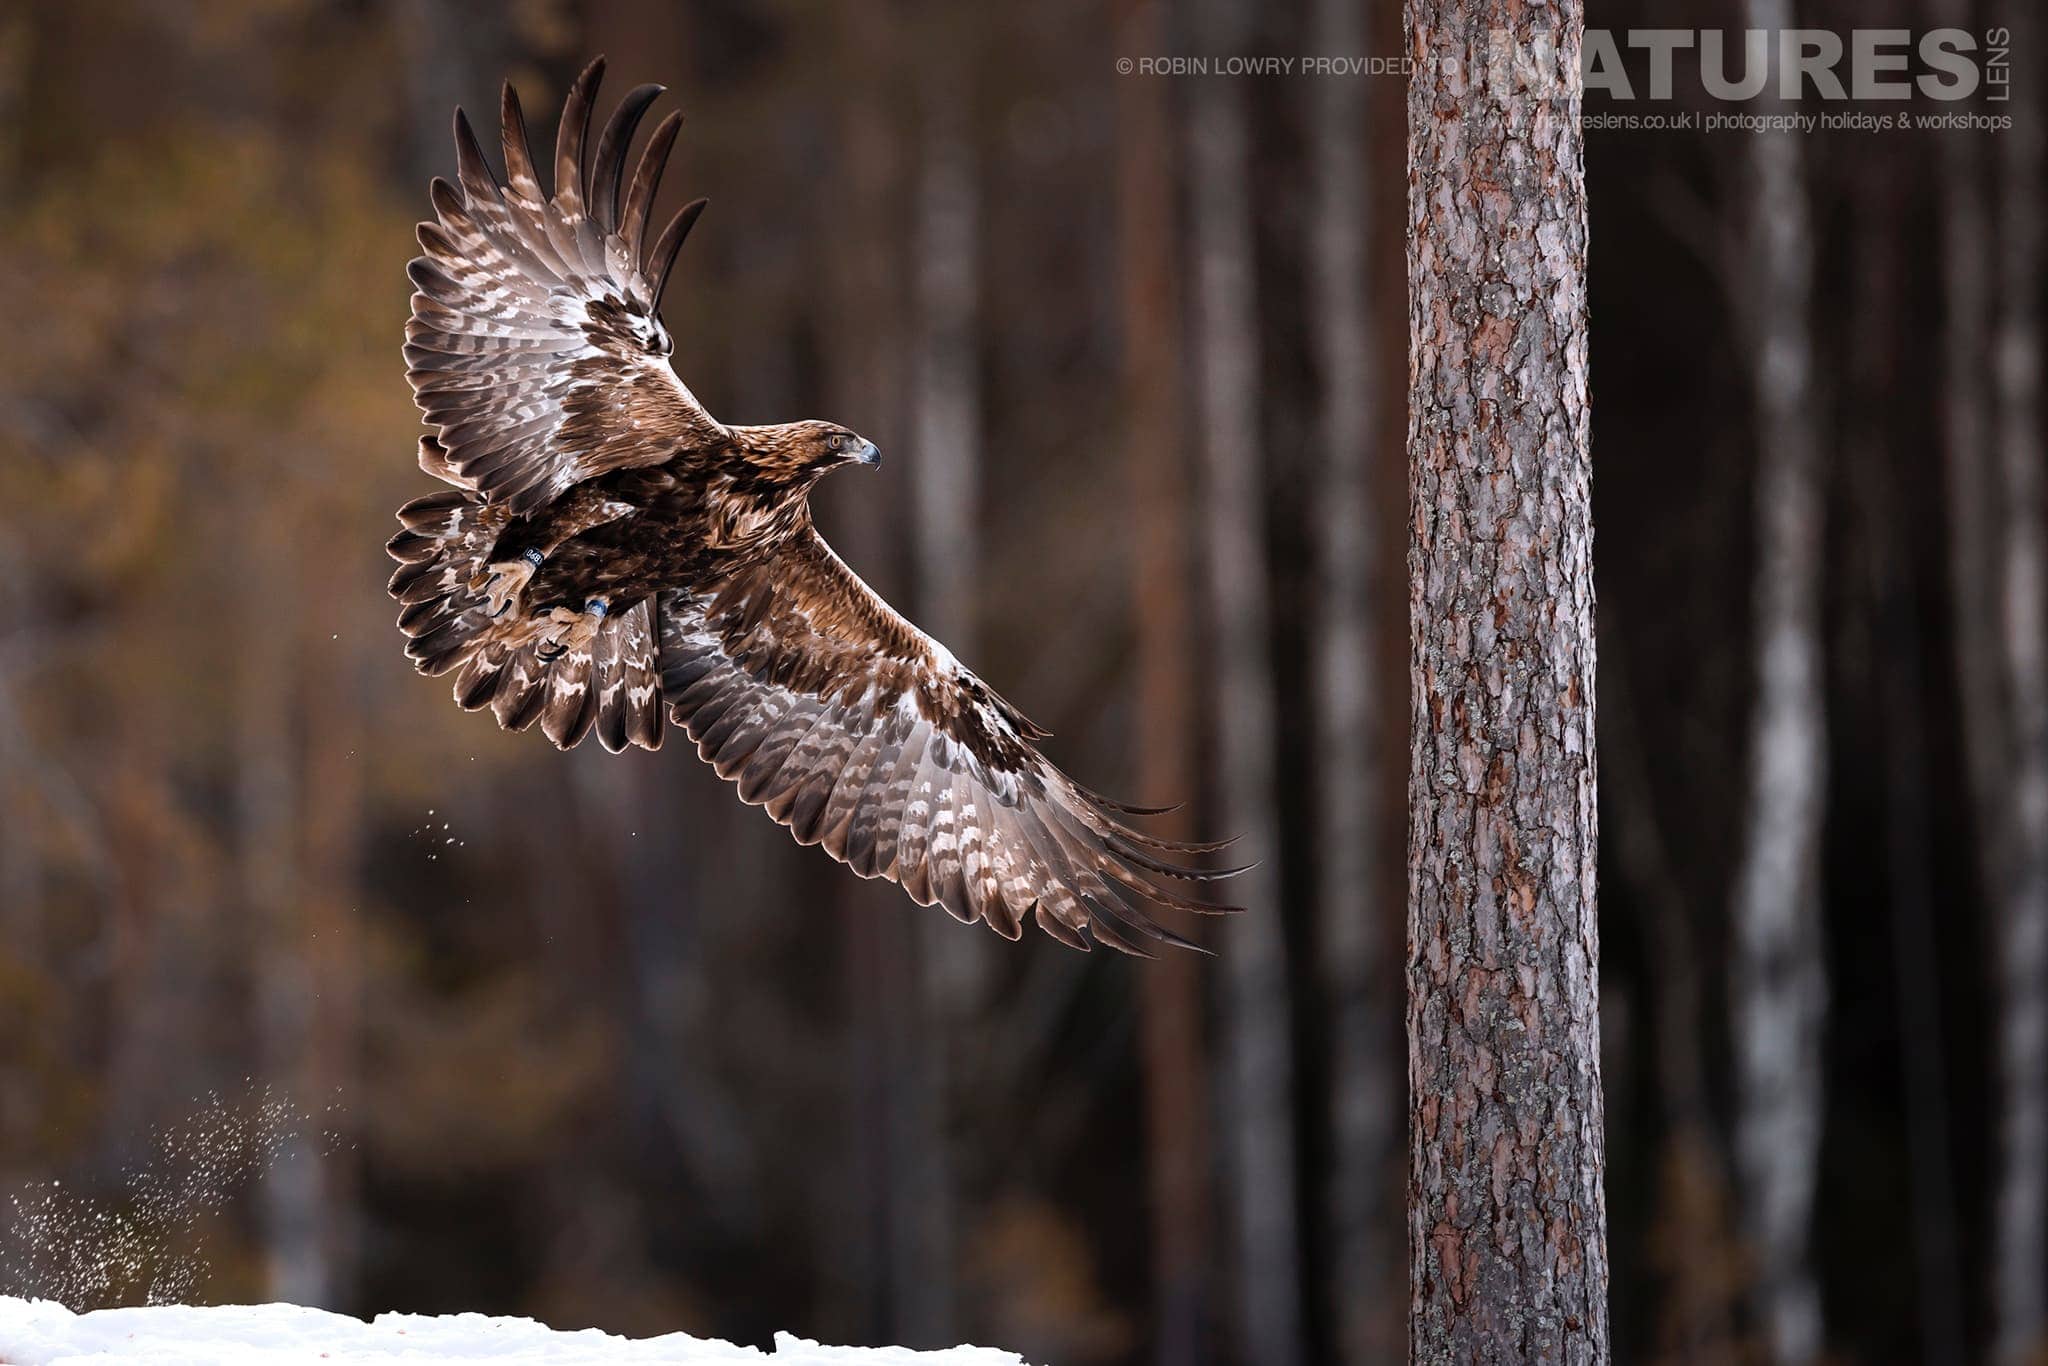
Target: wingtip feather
[
  {"x": 607, "y": 172},
  {"x": 571, "y": 135},
  {"x": 646, "y": 182},
  {"x": 667, "y": 247},
  {"x": 519, "y": 172}
]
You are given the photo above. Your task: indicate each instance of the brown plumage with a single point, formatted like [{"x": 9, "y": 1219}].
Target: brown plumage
[{"x": 607, "y": 549}]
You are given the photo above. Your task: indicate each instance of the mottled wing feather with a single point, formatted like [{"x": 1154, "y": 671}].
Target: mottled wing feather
[
  {"x": 535, "y": 347},
  {"x": 863, "y": 735}
]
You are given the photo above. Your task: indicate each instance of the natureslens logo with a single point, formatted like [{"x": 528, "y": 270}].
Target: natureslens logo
[
  {"x": 1783, "y": 65},
  {"x": 1707, "y": 79}
]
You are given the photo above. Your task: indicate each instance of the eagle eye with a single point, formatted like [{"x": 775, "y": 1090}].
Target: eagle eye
[{"x": 837, "y": 442}]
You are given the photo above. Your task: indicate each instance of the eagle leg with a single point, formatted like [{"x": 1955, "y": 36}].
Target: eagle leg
[
  {"x": 568, "y": 630},
  {"x": 503, "y": 581}
]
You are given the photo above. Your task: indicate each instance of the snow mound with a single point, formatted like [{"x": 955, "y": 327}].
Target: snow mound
[{"x": 43, "y": 1333}]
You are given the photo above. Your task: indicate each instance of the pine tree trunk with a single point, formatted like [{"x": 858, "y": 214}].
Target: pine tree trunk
[
  {"x": 1778, "y": 990},
  {"x": 1506, "y": 1215},
  {"x": 1354, "y": 932},
  {"x": 2021, "y": 1215},
  {"x": 1175, "y": 1055}
]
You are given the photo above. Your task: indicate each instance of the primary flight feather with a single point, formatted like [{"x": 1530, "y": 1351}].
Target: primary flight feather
[{"x": 609, "y": 550}]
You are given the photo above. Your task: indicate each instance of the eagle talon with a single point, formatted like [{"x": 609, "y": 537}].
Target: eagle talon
[
  {"x": 738, "y": 616},
  {"x": 565, "y": 629},
  {"x": 503, "y": 582}
]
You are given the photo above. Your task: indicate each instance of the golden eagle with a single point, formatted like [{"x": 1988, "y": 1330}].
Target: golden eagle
[{"x": 608, "y": 549}]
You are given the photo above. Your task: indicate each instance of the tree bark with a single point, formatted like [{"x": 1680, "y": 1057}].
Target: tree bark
[
  {"x": 1778, "y": 994},
  {"x": 1175, "y": 1057},
  {"x": 1506, "y": 1215},
  {"x": 1353, "y": 938},
  {"x": 2021, "y": 1217},
  {"x": 1257, "y": 1114}
]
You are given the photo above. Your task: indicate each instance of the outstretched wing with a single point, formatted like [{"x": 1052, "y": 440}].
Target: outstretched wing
[
  {"x": 535, "y": 347},
  {"x": 862, "y": 734}
]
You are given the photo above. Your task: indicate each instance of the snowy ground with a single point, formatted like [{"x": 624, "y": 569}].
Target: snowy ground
[{"x": 42, "y": 1333}]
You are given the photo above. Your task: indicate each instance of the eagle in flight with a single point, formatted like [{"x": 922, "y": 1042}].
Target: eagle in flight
[{"x": 607, "y": 550}]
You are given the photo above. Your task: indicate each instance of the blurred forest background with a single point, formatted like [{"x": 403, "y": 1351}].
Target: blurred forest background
[{"x": 591, "y": 1041}]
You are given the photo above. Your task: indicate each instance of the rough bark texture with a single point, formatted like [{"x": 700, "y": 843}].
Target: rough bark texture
[
  {"x": 1176, "y": 1087},
  {"x": 1506, "y": 1215},
  {"x": 2022, "y": 939},
  {"x": 1257, "y": 1115},
  {"x": 1353, "y": 922},
  {"x": 1778, "y": 987}
]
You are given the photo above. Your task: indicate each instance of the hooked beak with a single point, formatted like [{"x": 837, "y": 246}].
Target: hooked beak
[{"x": 868, "y": 454}]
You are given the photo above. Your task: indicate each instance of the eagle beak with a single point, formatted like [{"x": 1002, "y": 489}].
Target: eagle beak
[{"x": 868, "y": 455}]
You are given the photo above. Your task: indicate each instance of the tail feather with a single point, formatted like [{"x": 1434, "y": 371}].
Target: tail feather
[
  {"x": 611, "y": 685},
  {"x": 631, "y": 702},
  {"x": 608, "y": 664},
  {"x": 571, "y": 707},
  {"x": 477, "y": 682},
  {"x": 522, "y": 689}
]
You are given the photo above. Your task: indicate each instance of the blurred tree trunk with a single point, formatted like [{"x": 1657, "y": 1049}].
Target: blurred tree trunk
[
  {"x": 2021, "y": 1234},
  {"x": 863, "y": 226},
  {"x": 1506, "y": 1210},
  {"x": 1973, "y": 530},
  {"x": 332, "y": 703},
  {"x": 1994, "y": 550},
  {"x": 944, "y": 486},
  {"x": 1693, "y": 1248},
  {"x": 946, "y": 392},
  {"x": 1778, "y": 989},
  {"x": 1355, "y": 967},
  {"x": 1965, "y": 254},
  {"x": 459, "y": 54},
  {"x": 1897, "y": 644},
  {"x": 1257, "y": 1104},
  {"x": 268, "y": 815},
  {"x": 23, "y": 876},
  {"x": 154, "y": 964},
  {"x": 1175, "y": 1059}
]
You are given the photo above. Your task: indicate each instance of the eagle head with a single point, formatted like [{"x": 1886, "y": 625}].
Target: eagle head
[{"x": 803, "y": 452}]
